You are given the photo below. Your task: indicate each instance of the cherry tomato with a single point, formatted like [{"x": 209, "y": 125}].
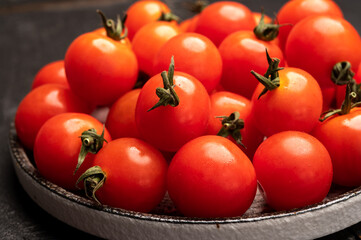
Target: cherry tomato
[
  {"x": 168, "y": 127},
  {"x": 189, "y": 25},
  {"x": 135, "y": 175},
  {"x": 295, "y": 105},
  {"x": 120, "y": 120},
  {"x": 224, "y": 103},
  {"x": 293, "y": 169},
  {"x": 193, "y": 54},
  {"x": 142, "y": 12},
  {"x": 211, "y": 177},
  {"x": 323, "y": 41},
  {"x": 100, "y": 69},
  {"x": 53, "y": 72},
  {"x": 294, "y": 11},
  {"x": 58, "y": 145},
  {"x": 42, "y": 103},
  {"x": 149, "y": 39},
  {"x": 220, "y": 19},
  {"x": 341, "y": 135},
  {"x": 242, "y": 52}
]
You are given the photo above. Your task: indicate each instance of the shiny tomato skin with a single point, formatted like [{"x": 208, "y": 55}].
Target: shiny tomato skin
[
  {"x": 58, "y": 144},
  {"x": 142, "y": 12},
  {"x": 135, "y": 175},
  {"x": 224, "y": 103},
  {"x": 294, "y": 170},
  {"x": 100, "y": 69},
  {"x": 341, "y": 135},
  {"x": 194, "y": 54},
  {"x": 120, "y": 120},
  {"x": 211, "y": 177},
  {"x": 166, "y": 127},
  {"x": 52, "y": 72},
  {"x": 242, "y": 52},
  {"x": 294, "y": 11},
  {"x": 42, "y": 103},
  {"x": 295, "y": 105},
  {"x": 149, "y": 39},
  {"x": 220, "y": 19},
  {"x": 323, "y": 41}
]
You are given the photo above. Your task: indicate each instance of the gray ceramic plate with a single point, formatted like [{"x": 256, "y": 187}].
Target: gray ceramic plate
[{"x": 341, "y": 208}]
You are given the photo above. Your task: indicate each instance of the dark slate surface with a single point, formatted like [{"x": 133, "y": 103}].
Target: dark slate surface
[{"x": 33, "y": 33}]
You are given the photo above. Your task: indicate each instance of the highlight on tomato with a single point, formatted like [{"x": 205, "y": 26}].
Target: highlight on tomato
[
  {"x": 42, "y": 103},
  {"x": 285, "y": 99},
  {"x": 196, "y": 186},
  {"x": 172, "y": 108},
  {"x": 127, "y": 173},
  {"x": 66, "y": 145},
  {"x": 101, "y": 68},
  {"x": 293, "y": 169}
]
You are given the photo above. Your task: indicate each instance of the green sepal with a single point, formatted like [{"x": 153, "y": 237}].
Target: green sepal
[
  {"x": 341, "y": 73},
  {"x": 116, "y": 31},
  {"x": 266, "y": 31},
  {"x": 91, "y": 143},
  {"x": 231, "y": 126},
  {"x": 93, "y": 179},
  {"x": 167, "y": 94},
  {"x": 168, "y": 17}
]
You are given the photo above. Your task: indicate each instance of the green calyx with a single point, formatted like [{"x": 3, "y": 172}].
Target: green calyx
[
  {"x": 93, "y": 179},
  {"x": 116, "y": 31},
  {"x": 91, "y": 143},
  {"x": 266, "y": 31},
  {"x": 231, "y": 126},
  {"x": 341, "y": 73},
  {"x": 167, "y": 95},
  {"x": 168, "y": 17},
  {"x": 271, "y": 78}
]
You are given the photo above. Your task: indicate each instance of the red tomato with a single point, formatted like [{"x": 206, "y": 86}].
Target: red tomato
[
  {"x": 293, "y": 169},
  {"x": 295, "y": 105},
  {"x": 53, "y": 72},
  {"x": 323, "y": 41},
  {"x": 142, "y": 12},
  {"x": 100, "y": 69},
  {"x": 58, "y": 145},
  {"x": 120, "y": 121},
  {"x": 211, "y": 177},
  {"x": 341, "y": 135},
  {"x": 167, "y": 127},
  {"x": 294, "y": 11},
  {"x": 189, "y": 25},
  {"x": 224, "y": 103},
  {"x": 42, "y": 103},
  {"x": 220, "y": 19},
  {"x": 149, "y": 39},
  {"x": 193, "y": 54},
  {"x": 329, "y": 98},
  {"x": 135, "y": 175},
  {"x": 124, "y": 41},
  {"x": 242, "y": 52}
]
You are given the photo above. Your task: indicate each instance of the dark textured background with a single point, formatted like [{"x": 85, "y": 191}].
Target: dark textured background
[{"x": 34, "y": 33}]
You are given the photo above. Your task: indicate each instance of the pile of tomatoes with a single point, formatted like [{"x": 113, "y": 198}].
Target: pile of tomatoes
[{"x": 230, "y": 100}]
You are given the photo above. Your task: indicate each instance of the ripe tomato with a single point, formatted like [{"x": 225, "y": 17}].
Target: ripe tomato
[
  {"x": 53, "y": 72},
  {"x": 211, "y": 177},
  {"x": 100, "y": 69},
  {"x": 341, "y": 135},
  {"x": 323, "y": 41},
  {"x": 168, "y": 127},
  {"x": 293, "y": 169},
  {"x": 242, "y": 52},
  {"x": 142, "y": 12},
  {"x": 120, "y": 120},
  {"x": 294, "y": 11},
  {"x": 224, "y": 103},
  {"x": 220, "y": 19},
  {"x": 42, "y": 103},
  {"x": 193, "y": 54},
  {"x": 295, "y": 105},
  {"x": 58, "y": 145},
  {"x": 149, "y": 39},
  {"x": 134, "y": 175},
  {"x": 189, "y": 25}
]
